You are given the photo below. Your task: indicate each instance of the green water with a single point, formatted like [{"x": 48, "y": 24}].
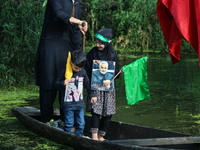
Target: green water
[
  {"x": 174, "y": 96},
  {"x": 174, "y": 103}
]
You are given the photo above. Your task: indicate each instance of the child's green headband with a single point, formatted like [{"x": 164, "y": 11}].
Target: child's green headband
[{"x": 100, "y": 37}]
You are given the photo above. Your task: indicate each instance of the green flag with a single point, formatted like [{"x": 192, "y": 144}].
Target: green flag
[{"x": 135, "y": 77}]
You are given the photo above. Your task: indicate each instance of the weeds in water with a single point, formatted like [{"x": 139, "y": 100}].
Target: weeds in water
[{"x": 13, "y": 134}]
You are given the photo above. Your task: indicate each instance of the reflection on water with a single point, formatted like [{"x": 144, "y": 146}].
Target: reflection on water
[
  {"x": 174, "y": 102},
  {"x": 174, "y": 96}
]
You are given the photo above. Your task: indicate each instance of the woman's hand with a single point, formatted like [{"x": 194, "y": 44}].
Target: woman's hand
[{"x": 83, "y": 27}]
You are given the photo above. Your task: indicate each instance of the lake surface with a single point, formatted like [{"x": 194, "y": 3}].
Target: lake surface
[{"x": 174, "y": 102}]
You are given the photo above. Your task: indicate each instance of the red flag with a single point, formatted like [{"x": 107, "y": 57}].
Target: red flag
[{"x": 180, "y": 19}]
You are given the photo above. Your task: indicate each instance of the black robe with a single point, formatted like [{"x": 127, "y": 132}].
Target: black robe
[
  {"x": 105, "y": 104},
  {"x": 58, "y": 37},
  {"x": 108, "y": 54}
]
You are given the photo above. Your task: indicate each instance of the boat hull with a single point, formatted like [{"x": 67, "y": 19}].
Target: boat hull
[{"x": 120, "y": 135}]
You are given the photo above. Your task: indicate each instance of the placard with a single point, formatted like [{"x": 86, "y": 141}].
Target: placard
[{"x": 102, "y": 75}]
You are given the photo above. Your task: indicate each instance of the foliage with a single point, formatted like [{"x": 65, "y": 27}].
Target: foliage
[
  {"x": 13, "y": 135},
  {"x": 135, "y": 26},
  {"x": 20, "y": 27},
  {"x": 134, "y": 23}
]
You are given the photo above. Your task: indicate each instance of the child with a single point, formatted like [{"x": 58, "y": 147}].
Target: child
[
  {"x": 72, "y": 94},
  {"x": 105, "y": 105}
]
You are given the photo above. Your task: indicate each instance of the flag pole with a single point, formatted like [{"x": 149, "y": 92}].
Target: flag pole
[
  {"x": 120, "y": 71},
  {"x": 83, "y": 38},
  {"x": 83, "y": 42}
]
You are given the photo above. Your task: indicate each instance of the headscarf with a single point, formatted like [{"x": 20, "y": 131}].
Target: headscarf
[{"x": 104, "y": 36}]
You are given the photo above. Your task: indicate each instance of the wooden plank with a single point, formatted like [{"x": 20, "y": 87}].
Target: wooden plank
[
  {"x": 68, "y": 139},
  {"x": 28, "y": 110},
  {"x": 160, "y": 141},
  {"x": 84, "y": 143},
  {"x": 32, "y": 111}
]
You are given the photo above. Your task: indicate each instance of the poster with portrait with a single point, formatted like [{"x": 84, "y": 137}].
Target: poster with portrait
[
  {"x": 74, "y": 91},
  {"x": 102, "y": 74}
]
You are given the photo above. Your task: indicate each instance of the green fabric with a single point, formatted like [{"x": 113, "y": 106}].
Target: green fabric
[
  {"x": 99, "y": 36},
  {"x": 135, "y": 77}
]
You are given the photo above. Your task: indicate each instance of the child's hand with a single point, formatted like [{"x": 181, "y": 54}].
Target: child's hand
[
  {"x": 93, "y": 99},
  {"x": 66, "y": 82},
  {"x": 106, "y": 84}
]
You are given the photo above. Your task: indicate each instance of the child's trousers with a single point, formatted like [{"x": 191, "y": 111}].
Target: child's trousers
[
  {"x": 74, "y": 117},
  {"x": 102, "y": 124}
]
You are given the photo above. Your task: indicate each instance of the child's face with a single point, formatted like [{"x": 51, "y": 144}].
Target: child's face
[
  {"x": 99, "y": 45},
  {"x": 75, "y": 68}
]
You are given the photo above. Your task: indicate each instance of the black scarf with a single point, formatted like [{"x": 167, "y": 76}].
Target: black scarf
[{"x": 108, "y": 54}]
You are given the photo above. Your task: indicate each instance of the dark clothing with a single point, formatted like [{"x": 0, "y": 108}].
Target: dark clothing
[
  {"x": 105, "y": 99},
  {"x": 106, "y": 33},
  {"x": 108, "y": 54},
  {"x": 72, "y": 100},
  {"x": 56, "y": 21},
  {"x": 74, "y": 92},
  {"x": 106, "y": 104},
  {"x": 58, "y": 37},
  {"x": 46, "y": 105},
  {"x": 50, "y": 60},
  {"x": 101, "y": 123}
]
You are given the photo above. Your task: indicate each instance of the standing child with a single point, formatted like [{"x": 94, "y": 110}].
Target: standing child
[
  {"x": 105, "y": 106},
  {"x": 72, "y": 93}
]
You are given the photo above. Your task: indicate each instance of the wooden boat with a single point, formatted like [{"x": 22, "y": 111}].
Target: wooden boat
[{"x": 121, "y": 135}]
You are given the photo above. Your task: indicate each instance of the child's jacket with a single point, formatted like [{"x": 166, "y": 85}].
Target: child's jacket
[{"x": 72, "y": 96}]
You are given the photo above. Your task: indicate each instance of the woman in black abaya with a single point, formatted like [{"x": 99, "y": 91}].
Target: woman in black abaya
[{"x": 61, "y": 33}]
